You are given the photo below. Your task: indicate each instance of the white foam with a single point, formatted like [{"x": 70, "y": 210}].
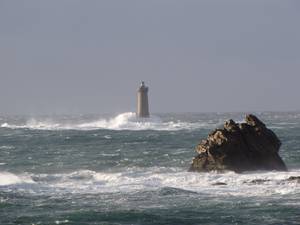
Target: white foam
[
  {"x": 135, "y": 179},
  {"x": 61, "y": 221},
  {"x": 10, "y": 178},
  {"x": 34, "y": 124},
  {"x": 6, "y": 147},
  {"x": 124, "y": 121}
]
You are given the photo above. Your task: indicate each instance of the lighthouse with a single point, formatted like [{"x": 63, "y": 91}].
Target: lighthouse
[{"x": 142, "y": 101}]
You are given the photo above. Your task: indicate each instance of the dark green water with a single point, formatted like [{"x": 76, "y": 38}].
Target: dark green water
[{"x": 96, "y": 170}]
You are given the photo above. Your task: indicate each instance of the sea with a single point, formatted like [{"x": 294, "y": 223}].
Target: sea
[{"x": 118, "y": 169}]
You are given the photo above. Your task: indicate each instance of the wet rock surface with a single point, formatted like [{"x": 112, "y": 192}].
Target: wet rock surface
[
  {"x": 239, "y": 147},
  {"x": 295, "y": 178}
]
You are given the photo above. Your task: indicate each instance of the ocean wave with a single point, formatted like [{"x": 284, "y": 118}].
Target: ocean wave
[
  {"x": 131, "y": 180},
  {"x": 7, "y": 178},
  {"x": 6, "y": 147},
  {"x": 124, "y": 121}
]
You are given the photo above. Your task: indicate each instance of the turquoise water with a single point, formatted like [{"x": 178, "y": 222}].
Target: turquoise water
[{"x": 94, "y": 169}]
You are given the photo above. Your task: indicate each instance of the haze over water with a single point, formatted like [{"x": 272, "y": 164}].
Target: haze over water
[{"x": 75, "y": 57}]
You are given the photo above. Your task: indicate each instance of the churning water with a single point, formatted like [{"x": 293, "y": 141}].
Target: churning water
[{"x": 124, "y": 170}]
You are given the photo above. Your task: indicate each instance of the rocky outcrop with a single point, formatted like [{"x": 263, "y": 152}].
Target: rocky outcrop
[{"x": 239, "y": 147}]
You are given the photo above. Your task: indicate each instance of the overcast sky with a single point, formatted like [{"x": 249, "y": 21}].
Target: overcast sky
[{"x": 196, "y": 56}]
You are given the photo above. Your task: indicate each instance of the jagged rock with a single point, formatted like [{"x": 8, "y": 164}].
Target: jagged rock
[
  {"x": 239, "y": 147},
  {"x": 297, "y": 179},
  {"x": 219, "y": 184}
]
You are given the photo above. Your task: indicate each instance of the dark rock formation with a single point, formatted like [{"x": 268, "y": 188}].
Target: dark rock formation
[
  {"x": 297, "y": 179},
  {"x": 239, "y": 147},
  {"x": 219, "y": 184}
]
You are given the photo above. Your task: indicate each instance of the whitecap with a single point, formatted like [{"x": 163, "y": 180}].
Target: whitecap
[
  {"x": 6, "y": 147},
  {"x": 7, "y": 178},
  {"x": 124, "y": 121},
  {"x": 61, "y": 221},
  {"x": 107, "y": 137},
  {"x": 157, "y": 178}
]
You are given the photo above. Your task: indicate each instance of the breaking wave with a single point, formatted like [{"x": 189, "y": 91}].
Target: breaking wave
[
  {"x": 124, "y": 121},
  {"x": 10, "y": 178},
  {"x": 134, "y": 179}
]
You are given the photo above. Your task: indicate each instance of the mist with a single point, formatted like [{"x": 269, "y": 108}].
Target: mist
[{"x": 69, "y": 56}]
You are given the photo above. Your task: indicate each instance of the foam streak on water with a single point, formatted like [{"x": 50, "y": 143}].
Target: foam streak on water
[{"x": 256, "y": 184}]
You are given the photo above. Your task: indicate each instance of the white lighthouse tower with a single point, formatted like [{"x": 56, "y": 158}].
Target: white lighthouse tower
[{"x": 142, "y": 101}]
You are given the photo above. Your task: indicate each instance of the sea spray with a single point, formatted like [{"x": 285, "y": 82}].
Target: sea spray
[
  {"x": 259, "y": 183},
  {"x": 124, "y": 121}
]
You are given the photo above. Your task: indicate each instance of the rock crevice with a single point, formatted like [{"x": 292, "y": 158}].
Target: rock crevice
[{"x": 239, "y": 147}]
